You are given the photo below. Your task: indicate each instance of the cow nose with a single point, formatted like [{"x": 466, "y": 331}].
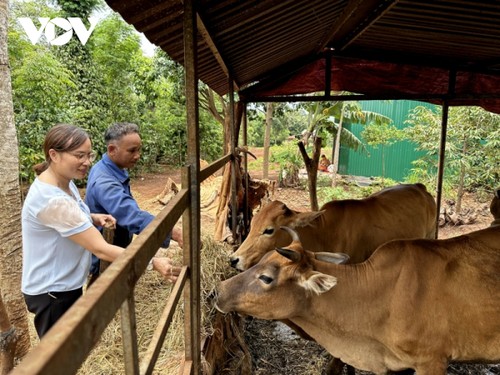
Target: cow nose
[{"x": 234, "y": 262}]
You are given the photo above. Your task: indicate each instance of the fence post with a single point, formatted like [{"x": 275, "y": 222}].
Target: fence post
[
  {"x": 108, "y": 232},
  {"x": 127, "y": 312}
]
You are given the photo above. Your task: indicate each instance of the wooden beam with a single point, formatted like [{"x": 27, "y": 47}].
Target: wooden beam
[
  {"x": 395, "y": 96},
  {"x": 214, "y": 167},
  {"x": 202, "y": 29},
  {"x": 356, "y": 18}
]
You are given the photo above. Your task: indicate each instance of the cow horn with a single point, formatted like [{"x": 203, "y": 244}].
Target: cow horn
[
  {"x": 292, "y": 233},
  {"x": 246, "y": 151},
  {"x": 337, "y": 258},
  {"x": 290, "y": 254}
]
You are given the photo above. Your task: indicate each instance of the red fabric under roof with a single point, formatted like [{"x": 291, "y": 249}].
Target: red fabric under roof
[{"x": 381, "y": 78}]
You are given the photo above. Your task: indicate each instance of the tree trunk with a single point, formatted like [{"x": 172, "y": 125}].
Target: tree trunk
[
  {"x": 336, "y": 152},
  {"x": 8, "y": 341},
  {"x": 312, "y": 170},
  {"x": 460, "y": 190},
  {"x": 383, "y": 165},
  {"x": 10, "y": 200},
  {"x": 227, "y": 134},
  {"x": 267, "y": 140}
]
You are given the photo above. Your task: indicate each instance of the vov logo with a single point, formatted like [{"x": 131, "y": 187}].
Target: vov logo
[{"x": 48, "y": 26}]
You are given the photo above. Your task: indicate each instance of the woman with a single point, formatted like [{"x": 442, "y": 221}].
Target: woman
[{"x": 58, "y": 229}]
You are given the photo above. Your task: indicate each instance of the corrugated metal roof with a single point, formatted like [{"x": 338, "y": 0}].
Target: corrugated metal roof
[{"x": 259, "y": 40}]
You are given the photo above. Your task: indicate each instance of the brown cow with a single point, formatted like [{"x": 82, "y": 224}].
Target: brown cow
[
  {"x": 355, "y": 227},
  {"x": 413, "y": 304},
  {"x": 495, "y": 208}
]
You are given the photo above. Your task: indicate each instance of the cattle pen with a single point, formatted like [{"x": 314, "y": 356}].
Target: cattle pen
[{"x": 197, "y": 37}]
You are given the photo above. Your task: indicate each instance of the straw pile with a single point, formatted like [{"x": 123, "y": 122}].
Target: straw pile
[{"x": 151, "y": 294}]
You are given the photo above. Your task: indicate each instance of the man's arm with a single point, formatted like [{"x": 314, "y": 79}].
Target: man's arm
[{"x": 110, "y": 194}]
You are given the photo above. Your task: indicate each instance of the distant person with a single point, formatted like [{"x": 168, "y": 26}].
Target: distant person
[
  {"x": 59, "y": 231},
  {"x": 323, "y": 163},
  {"x": 108, "y": 187}
]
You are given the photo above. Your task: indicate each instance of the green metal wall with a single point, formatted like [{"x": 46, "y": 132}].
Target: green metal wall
[{"x": 398, "y": 157}]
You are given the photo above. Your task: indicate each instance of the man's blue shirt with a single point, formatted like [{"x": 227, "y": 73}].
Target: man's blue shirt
[{"x": 108, "y": 191}]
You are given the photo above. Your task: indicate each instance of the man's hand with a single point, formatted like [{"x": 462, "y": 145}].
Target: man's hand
[
  {"x": 101, "y": 220},
  {"x": 165, "y": 267}
]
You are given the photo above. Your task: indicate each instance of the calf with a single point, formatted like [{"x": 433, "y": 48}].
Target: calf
[{"x": 413, "y": 304}]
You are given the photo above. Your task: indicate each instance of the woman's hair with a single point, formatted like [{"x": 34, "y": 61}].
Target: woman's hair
[
  {"x": 62, "y": 138},
  {"x": 118, "y": 130}
]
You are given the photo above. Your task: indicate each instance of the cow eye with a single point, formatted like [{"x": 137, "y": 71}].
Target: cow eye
[
  {"x": 266, "y": 279},
  {"x": 268, "y": 231}
]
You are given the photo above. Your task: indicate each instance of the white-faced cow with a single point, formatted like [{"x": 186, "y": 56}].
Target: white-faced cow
[
  {"x": 413, "y": 304},
  {"x": 355, "y": 227}
]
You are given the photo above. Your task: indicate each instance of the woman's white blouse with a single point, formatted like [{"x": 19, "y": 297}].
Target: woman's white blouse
[{"x": 51, "y": 261}]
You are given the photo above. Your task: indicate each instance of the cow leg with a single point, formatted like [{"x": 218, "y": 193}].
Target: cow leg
[
  {"x": 350, "y": 369},
  {"x": 299, "y": 331},
  {"x": 402, "y": 372},
  {"x": 433, "y": 368},
  {"x": 336, "y": 367}
]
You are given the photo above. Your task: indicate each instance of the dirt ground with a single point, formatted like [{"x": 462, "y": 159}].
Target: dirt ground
[{"x": 275, "y": 349}]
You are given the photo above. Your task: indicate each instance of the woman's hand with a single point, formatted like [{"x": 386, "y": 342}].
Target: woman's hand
[
  {"x": 103, "y": 220},
  {"x": 165, "y": 267}
]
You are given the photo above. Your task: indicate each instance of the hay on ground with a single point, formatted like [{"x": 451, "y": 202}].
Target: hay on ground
[{"x": 151, "y": 294}]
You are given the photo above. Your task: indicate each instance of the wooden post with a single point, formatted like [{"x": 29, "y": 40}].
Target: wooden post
[
  {"x": 234, "y": 163},
  {"x": 108, "y": 233},
  {"x": 245, "y": 166},
  {"x": 191, "y": 218},
  {"x": 442, "y": 145}
]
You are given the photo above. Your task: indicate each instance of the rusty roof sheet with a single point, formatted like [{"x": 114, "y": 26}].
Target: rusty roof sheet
[{"x": 262, "y": 40}]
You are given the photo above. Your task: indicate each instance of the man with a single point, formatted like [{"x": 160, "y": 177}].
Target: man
[{"x": 108, "y": 189}]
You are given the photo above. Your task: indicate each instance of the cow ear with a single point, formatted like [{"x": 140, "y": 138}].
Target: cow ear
[
  {"x": 303, "y": 219},
  {"x": 319, "y": 283},
  {"x": 497, "y": 193},
  {"x": 337, "y": 258}
]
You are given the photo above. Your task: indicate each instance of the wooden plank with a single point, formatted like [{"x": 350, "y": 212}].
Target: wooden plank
[
  {"x": 214, "y": 167},
  {"x": 129, "y": 336},
  {"x": 151, "y": 356}
]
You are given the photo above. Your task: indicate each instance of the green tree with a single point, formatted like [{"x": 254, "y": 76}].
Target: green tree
[
  {"x": 162, "y": 86},
  {"x": 284, "y": 123},
  {"x": 41, "y": 84},
  {"x": 472, "y": 147},
  {"x": 116, "y": 52},
  {"x": 342, "y": 113},
  {"x": 88, "y": 100},
  {"x": 383, "y": 135}
]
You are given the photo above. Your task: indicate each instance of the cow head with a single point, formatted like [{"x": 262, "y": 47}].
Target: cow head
[
  {"x": 279, "y": 286},
  {"x": 265, "y": 234}
]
